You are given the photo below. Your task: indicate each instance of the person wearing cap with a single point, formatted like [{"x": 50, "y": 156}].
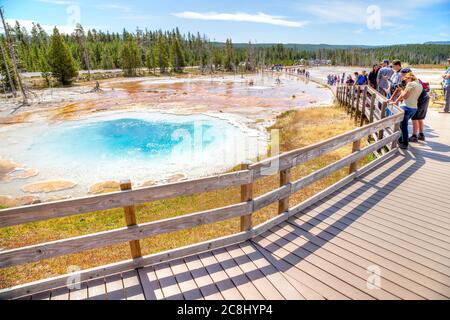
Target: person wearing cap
[
  {"x": 384, "y": 74},
  {"x": 408, "y": 97},
  {"x": 446, "y": 77}
]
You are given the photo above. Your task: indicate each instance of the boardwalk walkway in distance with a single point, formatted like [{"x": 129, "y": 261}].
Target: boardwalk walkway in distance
[{"x": 384, "y": 236}]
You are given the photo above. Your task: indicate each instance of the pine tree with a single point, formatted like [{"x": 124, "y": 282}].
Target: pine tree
[
  {"x": 129, "y": 56},
  {"x": 161, "y": 54},
  {"x": 228, "y": 55},
  {"x": 61, "y": 62},
  {"x": 177, "y": 56},
  {"x": 150, "y": 62}
]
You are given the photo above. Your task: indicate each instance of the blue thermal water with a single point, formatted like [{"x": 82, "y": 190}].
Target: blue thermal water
[{"x": 128, "y": 137}]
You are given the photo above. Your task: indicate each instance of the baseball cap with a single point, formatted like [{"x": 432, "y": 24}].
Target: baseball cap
[
  {"x": 405, "y": 70},
  {"x": 386, "y": 61}
]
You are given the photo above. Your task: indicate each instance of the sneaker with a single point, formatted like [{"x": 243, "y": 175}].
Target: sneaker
[
  {"x": 421, "y": 137},
  {"x": 413, "y": 138},
  {"x": 403, "y": 146}
]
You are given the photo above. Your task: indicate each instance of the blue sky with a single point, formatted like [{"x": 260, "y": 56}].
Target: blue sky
[{"x": 281, "y": 21}]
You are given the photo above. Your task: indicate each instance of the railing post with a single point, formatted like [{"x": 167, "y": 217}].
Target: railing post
[
  {"x": 382, "y": 116},
  {"x": 285, "y": 178},
  {"x": 352, "y": 98},
  {"x": 396, "y": 129},
  {"x": 363, "y": 106},
  {"x": 130, "y": 219},
  {"x": 246, "y": 195},
  {"x": 372, "y": 107},
  {"x": 356, "y": 147},
  {"x": 358, "y": 94}
]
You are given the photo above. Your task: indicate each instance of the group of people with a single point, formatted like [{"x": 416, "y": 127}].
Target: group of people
[
  {"x": 333, "y": 79},
  {"x": 401, "y": 87}
]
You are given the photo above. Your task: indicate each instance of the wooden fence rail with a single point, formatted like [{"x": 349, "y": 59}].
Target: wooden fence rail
[{"x": 362, "y": 102}]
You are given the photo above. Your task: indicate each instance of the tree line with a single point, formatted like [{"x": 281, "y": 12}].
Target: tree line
[{"x": 62, "y": 55}]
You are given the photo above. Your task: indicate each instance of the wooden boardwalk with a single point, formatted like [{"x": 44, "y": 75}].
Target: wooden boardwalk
[{"x": 386, "y": 235}]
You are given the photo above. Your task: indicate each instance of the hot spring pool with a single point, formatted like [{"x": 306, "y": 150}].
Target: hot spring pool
[{"x": 141, "y": 146}]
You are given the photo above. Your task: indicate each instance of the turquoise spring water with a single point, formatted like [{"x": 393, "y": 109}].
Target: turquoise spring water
[{"x": 132, "y": 137}]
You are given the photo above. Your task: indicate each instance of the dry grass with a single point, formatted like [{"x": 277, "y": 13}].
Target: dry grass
[{"x": 297, "y": 129}]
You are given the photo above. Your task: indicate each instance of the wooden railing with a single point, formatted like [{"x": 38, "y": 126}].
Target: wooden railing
[{"x": 361, "y": 102}]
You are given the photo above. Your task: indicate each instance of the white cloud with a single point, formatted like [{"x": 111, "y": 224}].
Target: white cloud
[
  {"x": 358, "y": 31},
  {"x": 241, "y": 17}
]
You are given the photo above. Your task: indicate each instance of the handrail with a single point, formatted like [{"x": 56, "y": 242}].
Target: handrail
[{"x": 134, "y": 232}]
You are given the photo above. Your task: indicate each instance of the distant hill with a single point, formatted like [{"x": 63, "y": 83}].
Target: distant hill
[
  {"x": 437, "y": 42},
  {"x": 298, "y": 46}
]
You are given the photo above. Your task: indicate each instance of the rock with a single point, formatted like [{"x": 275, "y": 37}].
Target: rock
[
  {"x": 48, "y": 186},
  {"x": 10, "y": 202},
  {"x": 148, "y": 183},
  {"x": 104, "y": 187},
  {"x": 176, "y": 177},
  {"x": 23, "y": 173}
]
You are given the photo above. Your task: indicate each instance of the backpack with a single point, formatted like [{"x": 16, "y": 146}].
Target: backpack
[{"x": 425, "y": 85}]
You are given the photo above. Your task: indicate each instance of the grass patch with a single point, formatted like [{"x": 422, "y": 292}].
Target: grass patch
[{"x": 297, "y": 129}]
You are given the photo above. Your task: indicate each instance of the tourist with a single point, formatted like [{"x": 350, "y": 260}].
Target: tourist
[
  {"x": 362, "y": 79},
  {"x": 409, "y": 97},
  {"x": 373, "y": 76},
  {"x": 349, "y": 81},
  {"x": 419, "y": 116},
  {"x": 343, "y": 77},
  {"x": 395, "y": 80},
  {"x": 384, "y": 74},
  {"x": 446, "y": 78}
]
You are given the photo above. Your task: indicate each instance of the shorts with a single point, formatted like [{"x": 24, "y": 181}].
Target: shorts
[{"x": 422, "y": 109}]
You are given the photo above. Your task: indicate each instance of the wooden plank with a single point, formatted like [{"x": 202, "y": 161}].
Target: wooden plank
[
  {"x": 114, "y": 287},
  {"x": 258, "y": 279},
  {"x": 202, "y": 278},
  {"x": 366, "y": 217},
  {"x": 286, "y": 288},
  {"x": 348, "y": 261},
  {"x": 97, "y": 289},
  {"x": 80, "y": 293},
  {"x": 64, "y": 208},
  {"x": 101, "y": 239},
  {"x": 185, "y": 281},
  {"x": 246, "y": 196},
  {"x": 132, "y": 285},
  {"x": 392, "y": 271},
  {"x": 42, "y": 285},
  {"x": 422, "y": 274},
  {"x": 237, "y": 276},
  {"x": 408, "y": 242},
  {"x": 168, "y": 283},
  {"x": 389, "y": 241},
  {"x": 393, "y": 216},
  {"x": 285, "y": 178},
  {"x": 150, "y": 284},
  {"x": 389, "y": 201},
  {"x": 41, "y": 296},
  {"x": 271, "y": 197},
  {"x": 306, "y": 273},
  {"x": 351, "y": 286},
  {"x": 130, "y": 220},
  {"x": 355, "y": 148},
  {"x": 220, "y": 278},
  {"x": 60, "y": 294}
]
